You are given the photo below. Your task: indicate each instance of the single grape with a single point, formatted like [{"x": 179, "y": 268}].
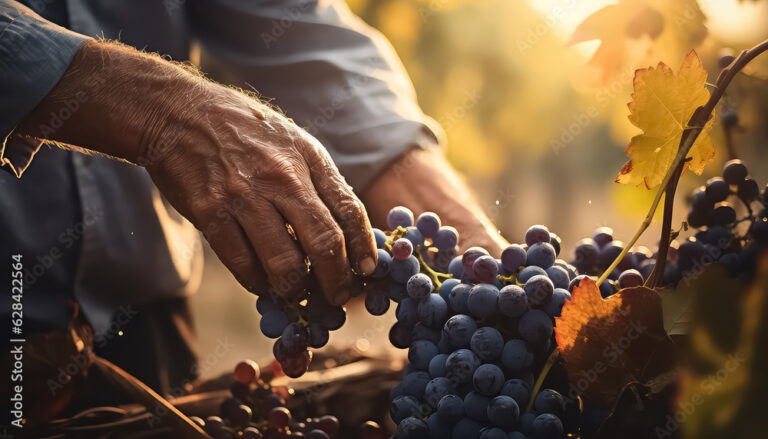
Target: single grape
[
  {"x": 717, "y": 189},
  {"x": 748, "y": 190},
  {"x": 402, "y": 249},
  {"x": 576, "y": 281},
  {"x": 266, "y": 303},
  {"x": 483, "y": 301},
  {"x": 252, "y": 433},
  {"x": 630, "y": 278},
  {"x": 403, "y": 407},
  {"x": 724, "y": 214},
  {"x": 513, "y": 302},
  {"x": 402, "y": 270},
  {"x": 458, "y": 298},
  {"x": 295, "y": 337},
  {"x": 547, "y": 426},
  {"x": 476, "y": 406},
  {"x": 513, "y": 257},
  {"x": 433, "y": 311},
  {"x": 541, "y": 254},
  {"x": 447, "y": 238},
  {"x": 515, "y": 356},
  {"x": 528, "y": 272},
  {"x": 296, "y": 365},
  {"x": 535, "y": 327},
  {"x": 539, "y": 290},
  {"x": 537, "y": 233},
  {"x": 503, "y": 412},
  {"x": 607, "y": 289},
  {"x": 376, "y": 303},
  {"x": 487, "y": 343},
  {"x": 273, "y": 323},
  {"x": 734, "y": 171},
  {"x": 485, "y": 269},
  {"x": 421, "y": 353},
  {"x": 279, "y": 417},
  {"x": 602, "y": 236},
  {"x": 399, "y": 217},
  {"x": 428, "y": 224},
  {"x": 400, "y": 335},
  {"x": 213, "y": 424},
  {"x": 247, "y": 372},
  {"x": 460, "y": 366},
  {"x": 419, "y": 286},
  {"x": 488, "y": 379},
  {"x": 549, "y": 401},
  {"x": 558, "y": 276},
  {"x": 412, "y": 428},
  {"x": 437, "y": 365},
  {"x": 450, "y": 408},
  {"x": 586, "y": 255}
]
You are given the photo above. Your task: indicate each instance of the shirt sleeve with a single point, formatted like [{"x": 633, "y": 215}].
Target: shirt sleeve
[
  {"x": 34, "y": 53},
  {"x": 334, "y": 75}
]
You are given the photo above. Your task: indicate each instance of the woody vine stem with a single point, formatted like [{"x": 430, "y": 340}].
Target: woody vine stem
[{"x": 669, "y": 185}]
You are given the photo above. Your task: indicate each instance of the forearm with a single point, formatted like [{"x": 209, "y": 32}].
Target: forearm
[
  {"x": 116, "y": 100},
  {"x": 423, "y": 181}
]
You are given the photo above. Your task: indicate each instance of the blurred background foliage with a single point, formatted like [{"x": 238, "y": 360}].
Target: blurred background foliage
[{"x": 537, "y": 123}]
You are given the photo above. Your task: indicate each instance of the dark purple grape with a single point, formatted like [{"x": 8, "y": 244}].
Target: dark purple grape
[
  {"x": 537, "y": 233},
  {"x": 748, "y": 190},
  {"x": 296, "y": 365},
  {"x": 734, "y": 172},
  {"x": 402, "y": 249},
  {"x": 279, "y": 417},
  {"x": 717, "y": 189},
  {"x": 602, "y": 236}
]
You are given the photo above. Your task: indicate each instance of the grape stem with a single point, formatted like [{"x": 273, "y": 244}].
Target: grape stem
[
  {"x": 668, "y": 186},
  {"x": 434, "y": 276},
  {"x": 553, "y": 357}
]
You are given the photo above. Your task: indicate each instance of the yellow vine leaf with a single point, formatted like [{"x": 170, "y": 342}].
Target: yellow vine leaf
[{"x": 662, "y": 103}]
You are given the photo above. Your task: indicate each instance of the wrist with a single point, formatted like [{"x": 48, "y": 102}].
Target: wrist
[{"x": 116, "y": 101}]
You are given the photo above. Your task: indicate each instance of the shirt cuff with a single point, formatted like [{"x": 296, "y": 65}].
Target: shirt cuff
[{"x": 34, "y": 54}]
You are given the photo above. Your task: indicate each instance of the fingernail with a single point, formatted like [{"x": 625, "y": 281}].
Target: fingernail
[
  {"x": 341, "y": 298},
  {"x": 367, "y": 266}
]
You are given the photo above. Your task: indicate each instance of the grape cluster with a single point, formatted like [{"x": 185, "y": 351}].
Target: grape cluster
[
  {"x": 256, "y": 411},
  {"x": 477, "y": 330},
  {"x": 593, "y": 256},
  {"x": 298, "y": 326},
  {"x": 721, "y": 235}
]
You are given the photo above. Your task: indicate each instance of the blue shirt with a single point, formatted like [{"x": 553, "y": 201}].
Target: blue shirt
[{"x": 97, "y": 229}]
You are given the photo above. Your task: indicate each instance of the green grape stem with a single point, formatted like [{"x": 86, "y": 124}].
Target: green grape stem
[{"x": 553, "y": 357}]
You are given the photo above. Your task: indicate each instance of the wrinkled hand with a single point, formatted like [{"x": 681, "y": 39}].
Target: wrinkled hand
[
  {"x": 236, "y": 169},
  {"x": 239, "y": 171}
]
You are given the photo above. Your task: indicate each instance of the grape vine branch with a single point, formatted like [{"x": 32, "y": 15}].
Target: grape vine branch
[{"x": 669, "y": 184}]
